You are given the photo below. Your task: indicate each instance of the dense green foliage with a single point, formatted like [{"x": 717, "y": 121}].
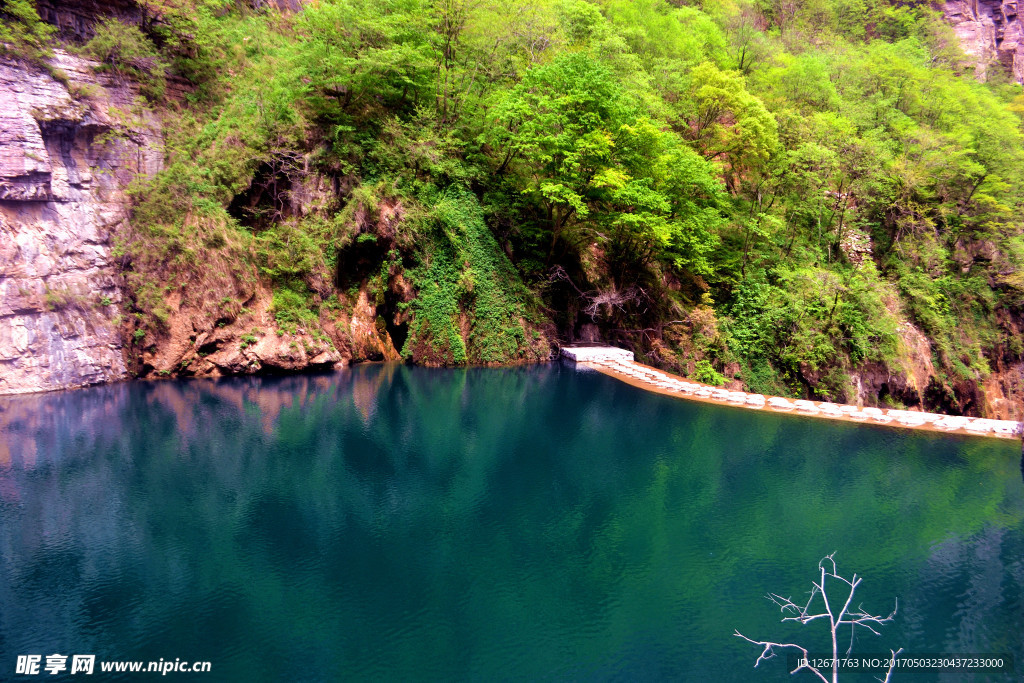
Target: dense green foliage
[
  {"x": 22, "y": 32},
  {"x": 466, "y": 270},
  {"x": 126, "y": 50},
  {"x": 812, "y": 175}
]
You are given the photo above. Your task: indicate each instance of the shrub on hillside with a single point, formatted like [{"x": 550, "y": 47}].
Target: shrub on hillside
[{"x": 125, "y": 50}]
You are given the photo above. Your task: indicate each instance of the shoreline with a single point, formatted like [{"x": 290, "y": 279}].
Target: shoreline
[
  {"x": 660, "y": 382},
  {"x": 619, "y": 363}
]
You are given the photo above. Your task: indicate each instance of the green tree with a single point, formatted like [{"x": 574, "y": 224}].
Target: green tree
[{"x": 22, "y": 32}]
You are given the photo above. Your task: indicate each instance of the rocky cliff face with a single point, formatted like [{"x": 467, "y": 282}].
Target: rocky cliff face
[
  {"x": 75, "y": 18},
  {"x": 67, "y": 154},
  {"x": 990, "y": 31}
]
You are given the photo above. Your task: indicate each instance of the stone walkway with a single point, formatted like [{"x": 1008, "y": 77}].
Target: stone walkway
[{"x": 619, "y": 363}]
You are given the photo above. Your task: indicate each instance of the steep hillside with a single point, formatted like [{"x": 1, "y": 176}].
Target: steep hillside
[{"x": 809, "y": 199}]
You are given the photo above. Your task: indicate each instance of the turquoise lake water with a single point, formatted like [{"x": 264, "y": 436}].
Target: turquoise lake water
[{"x": 534, "y": 523}]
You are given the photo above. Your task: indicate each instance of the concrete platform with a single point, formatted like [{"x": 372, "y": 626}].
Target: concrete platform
[
  {"x": 590, "y": 354},
  {"x": 620, "y": 363}
]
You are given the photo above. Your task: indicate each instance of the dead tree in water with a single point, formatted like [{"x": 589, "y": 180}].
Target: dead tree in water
[{"x": 808, "y": 612}]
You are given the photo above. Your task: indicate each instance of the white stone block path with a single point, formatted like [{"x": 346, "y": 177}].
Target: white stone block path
[{"x": 619, "y": 363}]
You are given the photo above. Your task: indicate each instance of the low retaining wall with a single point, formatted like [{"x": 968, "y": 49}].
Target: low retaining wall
[
  {"x": 591, "y": 354},
  {"x": 619, "y": 363}
]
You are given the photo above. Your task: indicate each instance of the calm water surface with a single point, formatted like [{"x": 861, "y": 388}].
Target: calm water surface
[{"x": 395, "y": 523}]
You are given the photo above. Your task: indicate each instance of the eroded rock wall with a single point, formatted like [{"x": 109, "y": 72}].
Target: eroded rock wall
[
  {"x": 75, "y": 18},
  {"x": 68, "y": 150},
  {"x": 989, "y": 31}
]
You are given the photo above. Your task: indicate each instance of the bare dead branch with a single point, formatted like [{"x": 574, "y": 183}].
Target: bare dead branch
[
  {"x": 892, "y": 664},
  {"x": 769, "y": 653},
  {"x": 807, "y": 613},
  {"x": 608, "y": 299}
]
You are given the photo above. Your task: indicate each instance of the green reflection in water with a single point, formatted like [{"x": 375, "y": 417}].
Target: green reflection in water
[{"x": 541, "y": 523}]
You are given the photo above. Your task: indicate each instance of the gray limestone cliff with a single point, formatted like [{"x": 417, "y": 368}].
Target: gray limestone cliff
[
  {"x": 67, "y": 156},
  {"x": 989, "y": 31}
]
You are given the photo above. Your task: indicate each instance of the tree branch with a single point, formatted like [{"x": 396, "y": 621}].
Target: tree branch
[{"x": 844, "y": 617}]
